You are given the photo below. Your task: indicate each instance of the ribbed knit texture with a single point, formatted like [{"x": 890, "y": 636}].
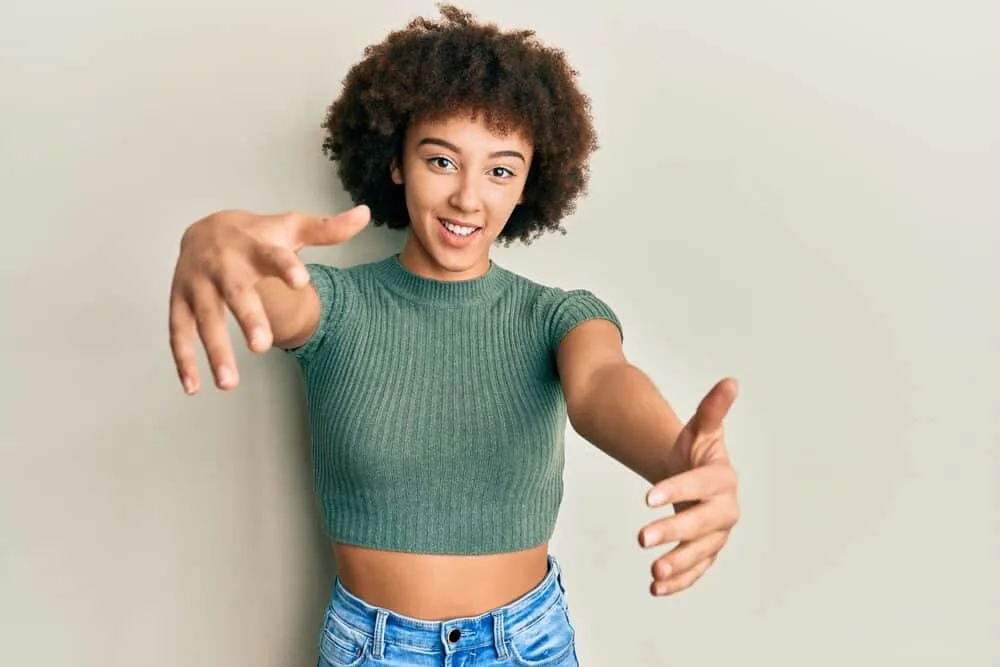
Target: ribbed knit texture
[{"x": 435, "y": 409}]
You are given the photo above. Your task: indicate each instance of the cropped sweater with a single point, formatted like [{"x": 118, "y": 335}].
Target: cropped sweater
[{"x": 436, "y": 414}]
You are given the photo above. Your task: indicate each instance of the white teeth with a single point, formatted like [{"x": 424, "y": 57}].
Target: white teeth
[{"x": 460, "y": 231}]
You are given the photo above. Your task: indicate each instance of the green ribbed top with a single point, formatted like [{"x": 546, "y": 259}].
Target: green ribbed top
[{"x": 435, "y": 411}]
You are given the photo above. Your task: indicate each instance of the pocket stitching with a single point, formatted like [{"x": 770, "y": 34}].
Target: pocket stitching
[
  {"x": 542, "y": 615},
  {"x": 359, "y": 647},
  {"x": 551, "y": 660},
  {"x": 359, "y": 651}
]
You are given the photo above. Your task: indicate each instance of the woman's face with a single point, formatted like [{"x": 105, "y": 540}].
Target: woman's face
[{"x": 462, "y": 183}]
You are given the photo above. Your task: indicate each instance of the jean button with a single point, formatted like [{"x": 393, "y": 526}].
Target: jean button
[{"x": 454, "y": 635}]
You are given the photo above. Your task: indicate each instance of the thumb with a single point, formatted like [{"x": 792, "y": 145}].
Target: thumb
[
  {"x": 312, "y": 230},
  {"x": 715, "y": 406}
]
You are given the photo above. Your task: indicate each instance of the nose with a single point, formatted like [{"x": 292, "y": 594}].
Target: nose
[{"x": 467, "y": 197}]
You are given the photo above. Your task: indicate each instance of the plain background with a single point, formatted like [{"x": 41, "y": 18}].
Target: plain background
[{"x": 804, "y": 195}]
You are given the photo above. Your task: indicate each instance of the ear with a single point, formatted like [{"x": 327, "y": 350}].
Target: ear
[{"x": 395, "y": 172}]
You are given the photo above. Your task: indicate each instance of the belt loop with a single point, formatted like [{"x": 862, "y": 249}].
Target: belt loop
[
  {"x": 378, "y": 639},
  {"x": 558, "y": 572},
  {"x": 499, "y": 640}
]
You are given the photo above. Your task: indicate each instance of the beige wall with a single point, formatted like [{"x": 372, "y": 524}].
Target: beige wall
[{"x": 801, "y": 194}]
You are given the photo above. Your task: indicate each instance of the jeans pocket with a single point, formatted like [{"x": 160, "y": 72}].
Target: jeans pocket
[
  {"x": 549, "y": 642},
  {"x": 341, "y": 645}
]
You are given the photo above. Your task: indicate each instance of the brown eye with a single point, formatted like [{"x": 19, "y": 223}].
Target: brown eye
[
  {"x": 441, "y": 162},
  {"x": 501, "y": 172}
]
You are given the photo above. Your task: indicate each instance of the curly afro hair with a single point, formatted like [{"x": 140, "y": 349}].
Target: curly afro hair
[{"x": 431, "y": 70}]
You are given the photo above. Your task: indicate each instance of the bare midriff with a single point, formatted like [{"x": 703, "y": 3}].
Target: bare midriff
[{"x": 438, "y": 587}]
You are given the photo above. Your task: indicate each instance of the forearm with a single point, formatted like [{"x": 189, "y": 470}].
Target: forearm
[{"x": 622, "y": 413}]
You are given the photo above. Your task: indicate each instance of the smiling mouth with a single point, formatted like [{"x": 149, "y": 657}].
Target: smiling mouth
[{"x": 461, "y": 231}]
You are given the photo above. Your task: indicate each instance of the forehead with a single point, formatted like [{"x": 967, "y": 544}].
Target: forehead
[{"x": 469, "y": 133}]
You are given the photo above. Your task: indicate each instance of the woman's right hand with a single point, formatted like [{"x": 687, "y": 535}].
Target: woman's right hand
[{"x": 222, "y": 259}]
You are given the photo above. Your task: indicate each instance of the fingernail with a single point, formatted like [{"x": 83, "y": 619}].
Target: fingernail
[
  {"x": 225, "y": 376},
  {"x": 648, "y": 538},
  {"x": 656, "y": 498},
  {"x": 257, "y": 338},
  {"x": 188, "y": 386}
]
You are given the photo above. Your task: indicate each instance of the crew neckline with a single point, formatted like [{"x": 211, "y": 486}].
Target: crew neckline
[{"x": 445, "y": 293}]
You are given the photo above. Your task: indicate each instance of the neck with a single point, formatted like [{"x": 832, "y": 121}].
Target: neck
[{"x": 417, "y": 260}]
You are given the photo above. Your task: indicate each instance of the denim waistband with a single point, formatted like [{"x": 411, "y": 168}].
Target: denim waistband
[{"x": 383, "y": 626}]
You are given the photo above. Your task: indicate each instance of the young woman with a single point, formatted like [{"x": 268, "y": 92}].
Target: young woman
[{"x": 438, "y": 382}]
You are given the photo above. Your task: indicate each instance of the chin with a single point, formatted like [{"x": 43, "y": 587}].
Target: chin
[{"x": 455, "y": 260}]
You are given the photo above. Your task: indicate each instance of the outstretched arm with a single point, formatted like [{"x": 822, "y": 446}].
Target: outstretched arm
[
  {"x": 247, "y": 263},
  {"x": 615, "y": 406}
]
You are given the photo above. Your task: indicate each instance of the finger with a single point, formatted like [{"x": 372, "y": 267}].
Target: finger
[
  {"x": 714, "y": 407},
  {"x": 683, "y": 580},
  {"x": 210, "y": 318},
  {"x": 282, "y": 263},
  {"x": 688, "y": 554},
  {"x": 240, "y": 294},
  {"x": 691, "y": 524},
  {"x": 695, "y": 484},
  {"x": 330, "y": 230},
  {"x": 182, "y": 336}
]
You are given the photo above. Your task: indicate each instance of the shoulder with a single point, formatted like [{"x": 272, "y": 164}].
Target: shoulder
[
  {"x": 526, "y": 287},
  {"x": 560, "y": 309},
  {"x": 349, "y": 277}
]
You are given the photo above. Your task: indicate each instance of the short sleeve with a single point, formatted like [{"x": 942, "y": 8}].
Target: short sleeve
[
  {"x": 336, "y": 296},
  {"x": 575, "y": 307}
]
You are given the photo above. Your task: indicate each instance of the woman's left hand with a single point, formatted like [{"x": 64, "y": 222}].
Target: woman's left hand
[{"x": 701, "y": 485}]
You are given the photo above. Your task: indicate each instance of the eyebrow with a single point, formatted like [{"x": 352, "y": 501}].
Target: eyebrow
[{"x": 452, "y": 147}]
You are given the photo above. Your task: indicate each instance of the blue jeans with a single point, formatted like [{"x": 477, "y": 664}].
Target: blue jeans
[{"x": 532, "y": 631}]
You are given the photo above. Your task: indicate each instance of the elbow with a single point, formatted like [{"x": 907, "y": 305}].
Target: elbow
[
  {"x": 574, "y": 417},
  {"x": 577, "y": 410}
]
